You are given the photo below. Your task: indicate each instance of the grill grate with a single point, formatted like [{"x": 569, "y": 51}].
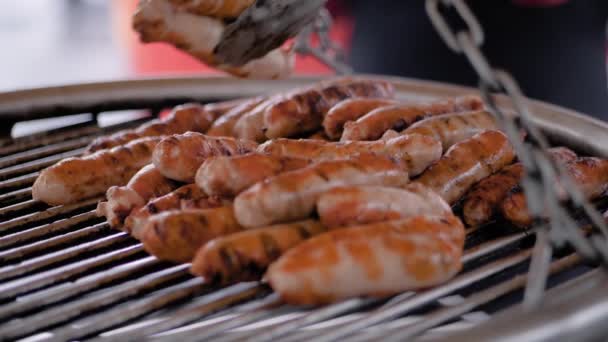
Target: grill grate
[{"x": 65, "y": 275}]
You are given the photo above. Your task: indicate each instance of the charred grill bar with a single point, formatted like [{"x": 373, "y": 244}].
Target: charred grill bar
[{"x": 64, "y": 274}]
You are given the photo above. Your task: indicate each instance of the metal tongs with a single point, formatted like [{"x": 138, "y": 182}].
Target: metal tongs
[{"x": 268, "y": 24}]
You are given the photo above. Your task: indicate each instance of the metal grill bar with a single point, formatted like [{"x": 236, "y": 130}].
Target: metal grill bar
[
  {"x": 37, "y": 164},
  {"x": 43, "y": 151},
  {"x": 25, "y": 180},
  {"x": 16, "y": 195},
  {"x": 30, "y": 283}
]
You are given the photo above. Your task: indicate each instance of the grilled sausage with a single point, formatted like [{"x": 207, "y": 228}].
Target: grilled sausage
[
  {"x": 250, "y": 126},
  {"x": 77, "y": 178},
  {"x": 224, "y": 125},
  {"x": 291, "y": 196},
  {"x": 184, "y": 118},
  {"x": 347, "y": 206},
  {"x": 376, "y": 260},
  {"x": 244, "y": 256},
  {"x": 186, "y": 197},
  {"x": 146, "y": 184},
  {"x": 161, "y": 21},
  {"x": 320, "y": 135},
  {"x": 178, "y": 157},
  {"x": 590, "y": 174},
  {"x": 229, "y": 176},
  {"x": 415, "y": 151},
  {"x": 466, "y": 163},
  {"x": 350, "y": 110},
  {"x": 481, "y": 203},
  {"x": 400, "y": 116},
  {"x": 214, "y": 8},
  {"x": 177, "y": 235},
  {"x": 451, "y": 128},
  {"x": 303, "y": 111}
]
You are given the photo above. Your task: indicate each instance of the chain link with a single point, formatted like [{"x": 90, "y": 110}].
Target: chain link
[{"x": 544, "y": 177}]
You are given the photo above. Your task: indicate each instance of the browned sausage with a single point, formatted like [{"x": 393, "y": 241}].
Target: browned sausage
[
  {"x": 379, "y": 259},
  {"x": 186, "y": 197},
  {"x": 350, "y": 110},
  {"x": 481, "y": 203},
  {"x": 451, "y": 128},
  {"x": 224, "y": 125},
  {"x": 415, "y": 151},
  {"x": 77, "y": 178},
  {"x": 466, "y": 163},
  {"x": 590, "y": 174},
  {"x": 250, "y": 126},
  {"x": 214, "y": 8},
  {"x": 400, "y": 116},
  {"x": 244, "y": 256},
  {"x": 146, "y": 184},
  {"x": 229, "y": 176},
  {"x": 177, "y": 235},
  {"x": 291, "y": 196},
  {"x": 303, "y": 111},
  {"x": 184, "y": 118},
  {"x": 178, "y": 157},
  {"x": 347, "y": 206}
]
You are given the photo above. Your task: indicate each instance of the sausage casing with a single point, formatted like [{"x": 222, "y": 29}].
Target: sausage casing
[
  {"x": 229, "y": 176},
  {"x": 291, "y": 196},
  {"x": 348, "y": 206},
  {"x": 400, "y": 116},
  {"x": 245, "y": 255},
  {"x": 77, "y": 178},
  {"x": 350, "y": 110},
  {"x": 177, "y": 235},
  {"x": 178, "y": 157},
  {"x": 379, "y": 259},
  {"x": 224, "y": 125},
  {"x": 466, "y": 163}
]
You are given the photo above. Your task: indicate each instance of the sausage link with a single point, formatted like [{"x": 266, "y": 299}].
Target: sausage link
[
  {"x": 214, "y": 8},
  {"x": 376, "y": 260},
  {"x": 146, "y": 184},
  {"x": 244, "y": 256},
  {"x": 590, "y": 174},
  {"x": 451, "y": 128},
  {"x": 400, "y": 116},
  {"x": 303, "y": 111},
  {"x": 466, "y": 163},
  {"x": 224, "y": 125},
  {"x": 415, "y": 151},
  {"x": 74, "y": 179},
  {"x": 292, "y": 195},
  {"x": 186, "y": 197},
  {"x": 349, "y": 206},
  {"x": 250, "y": 126},
  {"x": 178, "y": 157},
  {"x": 350, "y": 110},
  {"x": 177, "y": 235},
  {"x": 229, "y": 176},
  {"x": 481, "y": 203}
]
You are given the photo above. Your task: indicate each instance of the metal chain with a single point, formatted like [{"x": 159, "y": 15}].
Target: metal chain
[
  {"x": 327, "y": 52},
  {"x": 543, "y": 176}
]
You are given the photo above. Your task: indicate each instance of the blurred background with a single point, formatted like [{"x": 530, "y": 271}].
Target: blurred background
[{"x": 555, "y": 48}]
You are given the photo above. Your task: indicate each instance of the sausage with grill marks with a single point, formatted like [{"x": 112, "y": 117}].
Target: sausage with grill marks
[
  {"x": 146, "y": 184},
  {"x": 415, "y": 151},
  {"x": 377, "y": 260},
  {"x": 177, "y": 235},
  {"x": 350, "y": 110},
  {"x": 451, "y": 128},
  {"x": 303, "y": 111},
  {"x": 178, "y": 157},
  {"x": 482, "y": 202},
  {"x": 356, "y": 205},
  {"x": 250, "y": 126},
  {"x": 292, "y": 195},
  {"x": 466, "y": 163},
  {"x": 400, "y": 116},
  {"x": 214, "y": 8},
  {"x": 74, "y": 179},
  {"x": 185, "y": 197},
  {"x": 229, "y": 176},
  {"x": 224, "y": 125},
  {"x": 590, "y": 174},
  {"x": 244, "y": 256}
]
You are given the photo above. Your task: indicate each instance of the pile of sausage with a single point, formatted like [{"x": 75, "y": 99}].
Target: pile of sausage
[{"x": 262, "y": 189}]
